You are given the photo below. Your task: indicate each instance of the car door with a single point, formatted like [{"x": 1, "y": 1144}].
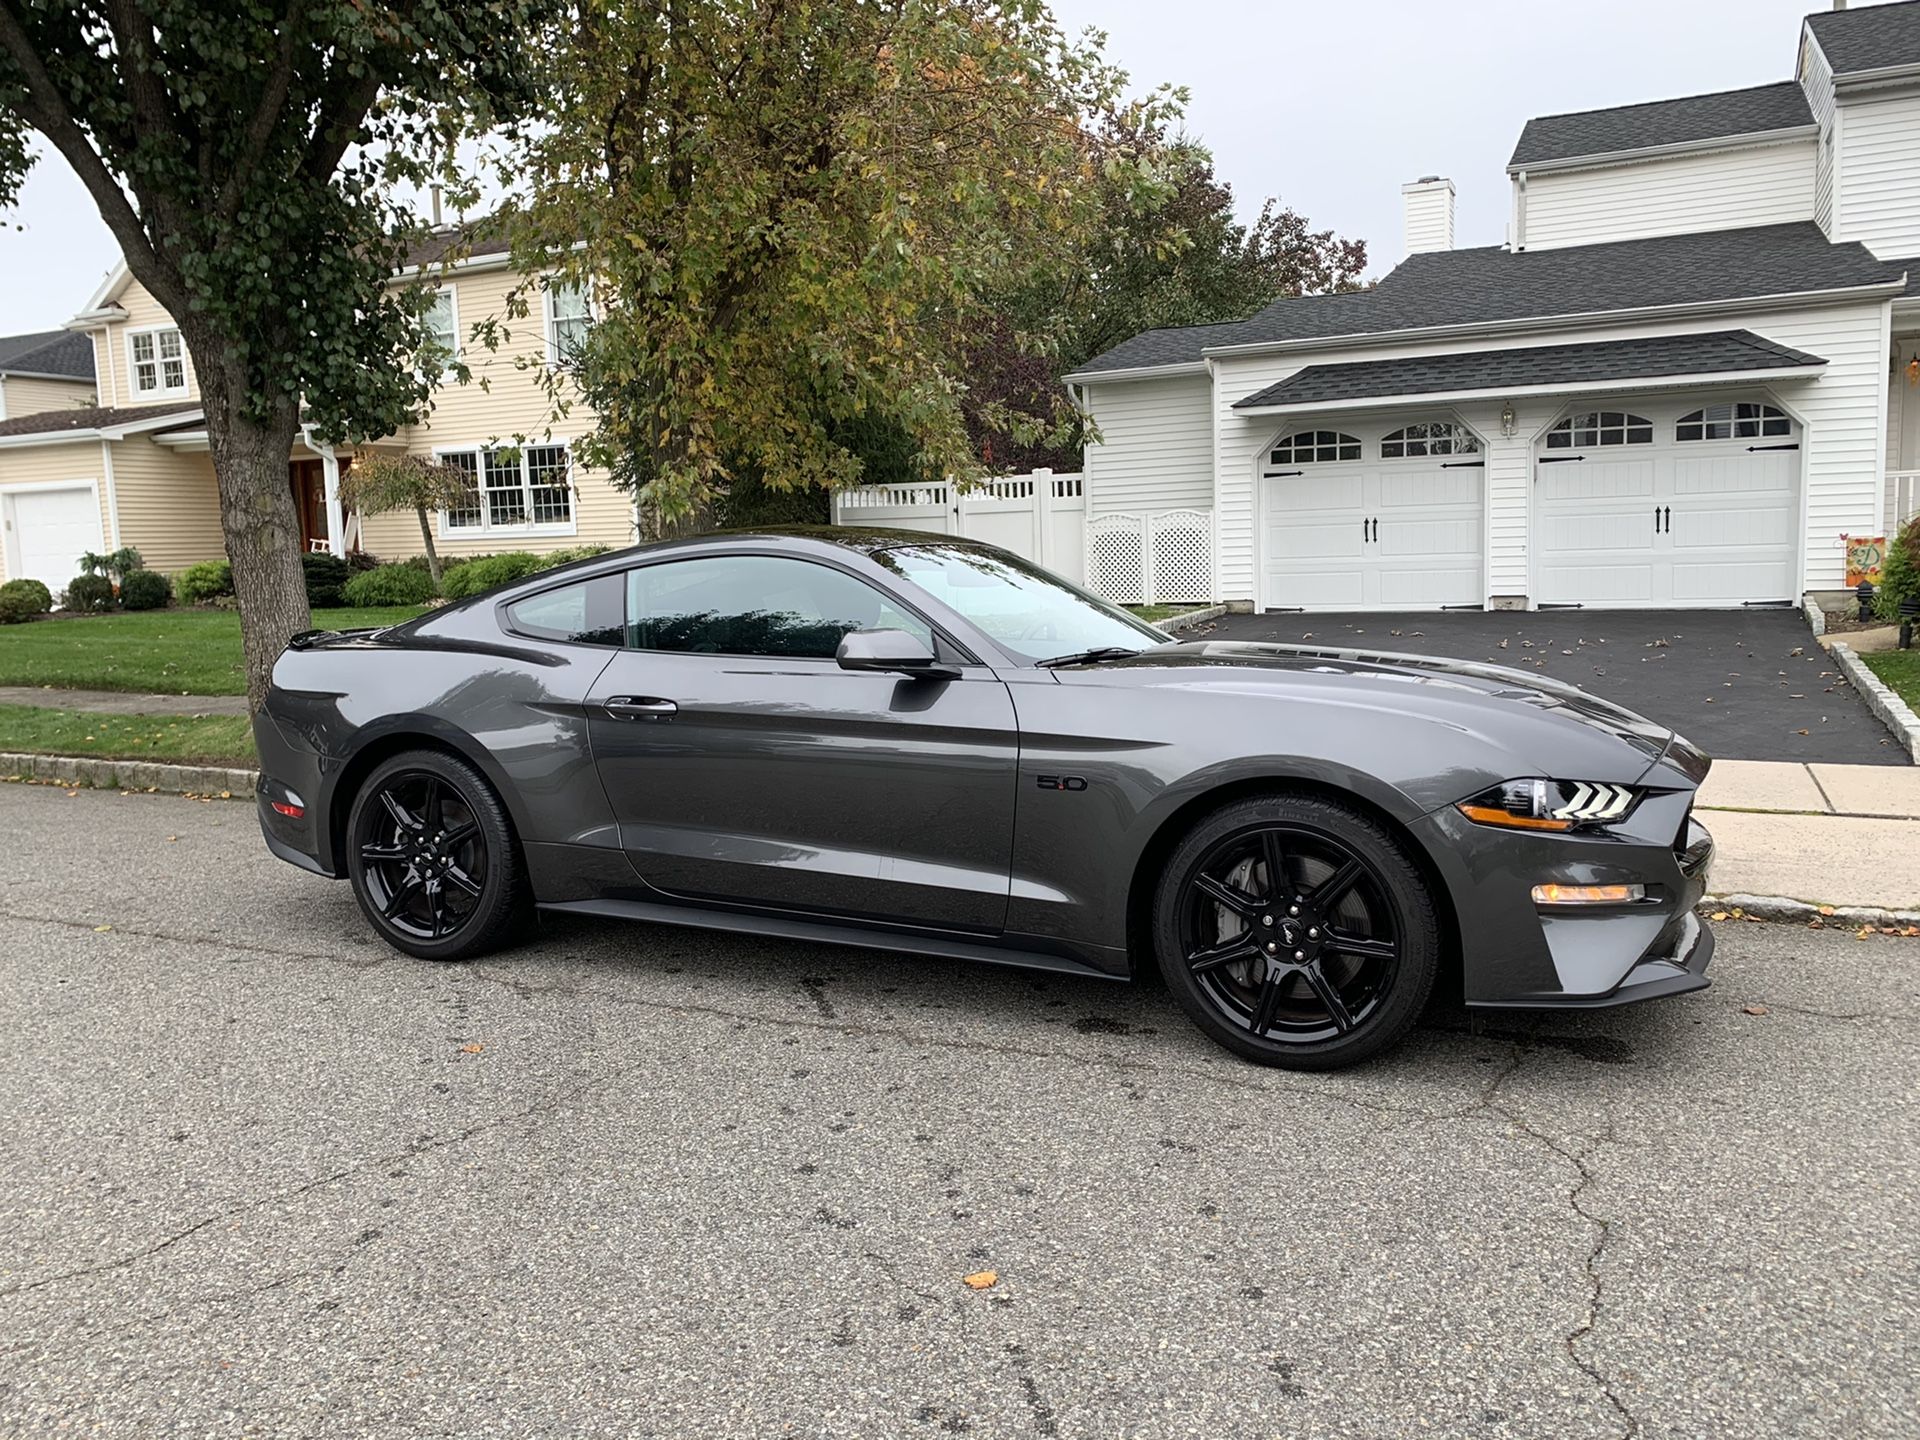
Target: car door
[{"x": 744, "y": 765}]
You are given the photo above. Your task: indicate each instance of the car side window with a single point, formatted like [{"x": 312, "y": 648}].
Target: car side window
[
  {"x": 592, "y": 612},
  {"x": 756, "y": 605}
]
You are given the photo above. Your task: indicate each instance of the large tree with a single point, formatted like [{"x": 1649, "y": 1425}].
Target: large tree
[
  {"x": 794, "y": 216},
  {"x": 244, "y": 155}
]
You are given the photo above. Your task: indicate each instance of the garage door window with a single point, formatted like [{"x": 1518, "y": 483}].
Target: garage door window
[
  {"x": 1438, "y": 437},
  {"x": 1743, "y": 420},
  {"x": 1600, "y": 427},
  {"x": 1309, "y": 446}
]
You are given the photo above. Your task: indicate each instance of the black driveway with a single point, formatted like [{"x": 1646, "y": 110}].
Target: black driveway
[{"x": 1743, "y": 685}]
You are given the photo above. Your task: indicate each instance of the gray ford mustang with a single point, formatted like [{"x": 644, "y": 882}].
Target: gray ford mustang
[{"x": 928, "y": 745}]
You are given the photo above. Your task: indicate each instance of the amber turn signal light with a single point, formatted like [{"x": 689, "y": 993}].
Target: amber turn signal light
[{"x": 1588, "y": 894}]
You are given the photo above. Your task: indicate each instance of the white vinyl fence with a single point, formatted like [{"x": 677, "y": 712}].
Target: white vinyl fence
[{"x": 1130, "y": 559}]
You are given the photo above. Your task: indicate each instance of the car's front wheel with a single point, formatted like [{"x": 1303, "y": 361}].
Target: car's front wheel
[
  {"x": 431, "y": 855},
  {"x": 1296, "y": 932}
]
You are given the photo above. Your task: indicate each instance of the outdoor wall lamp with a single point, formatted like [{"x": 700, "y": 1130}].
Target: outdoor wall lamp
[{"x": 1508, "y": 420}]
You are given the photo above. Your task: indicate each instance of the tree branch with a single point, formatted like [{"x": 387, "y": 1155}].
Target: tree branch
[{"x": 266, "y": 116}]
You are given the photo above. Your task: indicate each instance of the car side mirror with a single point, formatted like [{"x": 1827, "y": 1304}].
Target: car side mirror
[{"x": 893, "y": 652}]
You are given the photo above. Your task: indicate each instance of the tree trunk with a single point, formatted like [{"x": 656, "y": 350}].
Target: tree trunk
[
  {"x": 426, "y": 536},
  {"x": 258, "y": 519}
]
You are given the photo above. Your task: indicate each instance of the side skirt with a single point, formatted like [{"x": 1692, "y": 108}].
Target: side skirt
[{"x": 792, "y": 928}]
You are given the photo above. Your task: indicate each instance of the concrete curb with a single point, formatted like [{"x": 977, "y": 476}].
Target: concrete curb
[
  {"x": 1174, "y": 624},
  {"x": 1816, "y": 617},
  {"x": 98, "y": 774},
  {"x": 1779, "y": 907},
  {"x": 1894, "y": 712}
]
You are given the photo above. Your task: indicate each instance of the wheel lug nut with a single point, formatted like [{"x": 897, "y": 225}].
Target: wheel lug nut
[
  {"x": 1273, "y": 949},
  {"x": 1313, "y": 934},
  {"x": 1266, "y": 919},
  {"x": 1299, "y": 954},
  {"x": 1293, "y": 910}
]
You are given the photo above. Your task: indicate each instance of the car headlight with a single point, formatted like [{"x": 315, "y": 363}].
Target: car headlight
[{"x": 1550, "y": 804}]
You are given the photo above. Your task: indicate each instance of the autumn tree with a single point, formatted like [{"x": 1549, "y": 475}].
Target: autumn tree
[
  {"x": 793, "y": 218},
  {"x": 380, "y": 482},
  {"x": 244, "y": 156}
]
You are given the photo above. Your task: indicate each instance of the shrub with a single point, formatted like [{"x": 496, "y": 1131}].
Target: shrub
[
  {"x": 568, "y": 556},
  {"x": 207, "y": 581},
  {"x": 326, "y": 577},
  {"x": 144, "y": 590},
  {"x": 115, "y": 565},
  {"x": 1900, "y": 571},
  {"x": 22, "y": 600},
  {"x": 89, "y": 594},
  {"x": 389, "y": 585},
  {"x": 361, "y": 561},
  {"x": 484, "y": 572}
]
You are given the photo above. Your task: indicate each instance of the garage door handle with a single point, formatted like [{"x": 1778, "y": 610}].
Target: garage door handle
[{"x": 638, "y": 707}]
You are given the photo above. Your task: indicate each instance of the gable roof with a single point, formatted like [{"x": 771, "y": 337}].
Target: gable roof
[
  {"x": 51, "y": 353},
  {"x": 1875, "y": 37},
  {"x": 1443, "y": 289},
  {"x": 1692, "y": 119},
  {"x": 1535, "y": 368},
  {"x": 99, "y": 420}
]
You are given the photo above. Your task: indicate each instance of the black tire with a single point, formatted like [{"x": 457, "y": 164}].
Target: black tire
[
  {"x": 432, "y": 858},
  {"x": 1327, "y": 969}
]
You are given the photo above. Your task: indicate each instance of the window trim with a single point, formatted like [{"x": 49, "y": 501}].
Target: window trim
[
  {"x": 547, "y": 317},
  {"x": 138, "y": 396},
  {"x": 478, "y": 449},
  {"x": 1456, "y": 432},
  {"x": 1341, "y": 441},
  {"x": 1769, "y": 413},
  {"x": 452, "y": 292},
  {"x": 1629, "y": 422}
]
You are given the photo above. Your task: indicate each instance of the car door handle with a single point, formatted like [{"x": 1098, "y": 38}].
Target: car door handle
[{"x": 639, "y": 707}]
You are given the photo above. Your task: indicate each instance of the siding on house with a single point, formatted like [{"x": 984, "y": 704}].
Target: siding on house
[
  {"x": 1816, "y": 79},
  {"x": 1879, "y": 175},
  {"x": 114, "y": 368},
  {"x": 1156, "y": 450},
  {"x": 29, "y": 395},
  {"x": 169, "y": 503},
  {"x": 1680, "y": 194},
  {"x": 45, "y": 464}
]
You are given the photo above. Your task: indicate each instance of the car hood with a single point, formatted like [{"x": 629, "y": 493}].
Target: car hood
[{"x": 1453, "y": 691}]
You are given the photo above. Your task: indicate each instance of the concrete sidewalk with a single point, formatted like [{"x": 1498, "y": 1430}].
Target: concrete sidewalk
[{"x": 1842, "y": 835}]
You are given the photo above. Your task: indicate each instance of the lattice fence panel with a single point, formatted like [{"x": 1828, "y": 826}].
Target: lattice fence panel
[
  {"x": 1182, "y": 562},
  {"x": 1117, "y": 558}
]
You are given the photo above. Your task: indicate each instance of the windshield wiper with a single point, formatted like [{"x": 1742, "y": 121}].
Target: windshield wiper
[{"x": 1083, "y": 657}]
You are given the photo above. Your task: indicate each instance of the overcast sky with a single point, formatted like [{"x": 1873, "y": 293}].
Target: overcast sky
[{"x": 1330, "y": 106}]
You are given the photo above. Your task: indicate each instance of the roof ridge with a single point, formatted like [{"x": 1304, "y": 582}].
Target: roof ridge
[{"x": 1674, "y": 99}]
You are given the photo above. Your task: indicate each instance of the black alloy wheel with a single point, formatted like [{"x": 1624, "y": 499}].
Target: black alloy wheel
[
  {"x": 431, "y": 857},
  {"x": 1296, "y": 932}
]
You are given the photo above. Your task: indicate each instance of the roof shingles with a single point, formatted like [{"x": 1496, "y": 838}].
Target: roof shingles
[
  {"x": 49, "y": 352},
  {"x": 1874, "y": 37},
  {"x": 1723, "y": 115},
  {"x": 94, "y": 417}
]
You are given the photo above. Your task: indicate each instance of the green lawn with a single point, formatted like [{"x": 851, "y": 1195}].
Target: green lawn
[
  {"x": 179, "y": 652},
  {"x": 1899, "y": 670},
  {"x": 1151, "y": 613},
  {"x": 182, "y": 739}
]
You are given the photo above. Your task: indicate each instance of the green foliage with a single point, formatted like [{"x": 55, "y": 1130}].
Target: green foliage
[
  {"x": 144, "y": 590},
  {"x": 89, "y": 594},
  {"x": 483, "y": 572},
  {"x": 389, "y": 585},
  {"x": 1900, "y": 572},
  {"x": 749, "y": 504},
  {"x": 555, "y": 558},
  {"x": 326, "y": 576},
  {"x": 23, "y": 600},
  {"x": 379, "y": 482},
  {"x": 116, "y": 565},
  {"x": 203, "y": 582},
  {"x": 791, "y": 217}
]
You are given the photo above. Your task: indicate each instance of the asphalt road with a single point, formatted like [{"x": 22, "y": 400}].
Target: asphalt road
[
  {"x": 1741, "y": 684},
  {"x": 264, "y": 1178}
]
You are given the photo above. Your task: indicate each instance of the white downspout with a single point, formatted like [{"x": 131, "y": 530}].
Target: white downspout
[
  {"x": 113, "y": 498},
  {"x": 336, "y": 515}
]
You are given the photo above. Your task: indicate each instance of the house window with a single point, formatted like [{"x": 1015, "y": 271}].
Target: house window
[
  {"x": 1309, "y": 446},
  {"x": 1741, "y": 420},
  {"x": 440, "y": 327},
  {"x": 1438, "y": 437},
  {"x": 159, "y": 362},
  {"x": 1600, "y": 427},
  {"x": 524, "y": 489},
  {"x": 567, "y": 320}
]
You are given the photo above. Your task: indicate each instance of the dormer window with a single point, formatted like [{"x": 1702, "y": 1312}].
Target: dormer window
[
  {"x": 1600, "y": 427},
  {"x": 1741, "y": 420},
  {"x": 1437, "y": 437},
  {"x": 1311, "y": 446},
  {"x": 157, "y": 360}
]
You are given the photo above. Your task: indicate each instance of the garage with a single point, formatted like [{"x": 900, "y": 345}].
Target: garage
[
  {"x": 1686, "y": 503},
  {"x": 48, "y": 528},
  {"x": 1373, "y": 518}
]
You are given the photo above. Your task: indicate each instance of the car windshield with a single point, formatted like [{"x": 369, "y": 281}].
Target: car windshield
[{"x": 1029, "y": 612}]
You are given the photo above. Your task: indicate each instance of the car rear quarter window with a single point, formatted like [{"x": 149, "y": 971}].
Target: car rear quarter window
[
  {"x": 590, "y": 612},
  {"x": 756, "y": 605}
]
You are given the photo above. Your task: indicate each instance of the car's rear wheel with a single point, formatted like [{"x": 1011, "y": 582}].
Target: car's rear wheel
[
  {"x": 431, "y": 855},
  {"x": 1296, "y": 932}
]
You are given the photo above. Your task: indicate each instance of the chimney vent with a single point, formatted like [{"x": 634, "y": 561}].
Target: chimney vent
[{"x": 1428, "y": 204}]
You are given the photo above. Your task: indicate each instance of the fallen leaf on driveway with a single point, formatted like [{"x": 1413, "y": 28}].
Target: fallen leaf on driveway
[
  {"x": 1718, "y": 915},
  {"x": 981, "y": 1279},
  {"x": 101, "y": 929},
  {"x": 1803, "y": 732},
  {"x": 473, "y": 1047},
  {"x": 1826, "y": 909},
  {"x": 1863, "y": 932},
  {"x": 1753, "y": 1010}
]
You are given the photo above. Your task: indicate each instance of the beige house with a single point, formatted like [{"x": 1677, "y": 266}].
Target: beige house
[
  {"x": 130, "y": 465},
  {"x": 52, "y": 370}
]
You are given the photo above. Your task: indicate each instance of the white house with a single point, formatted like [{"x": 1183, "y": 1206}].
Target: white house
[{"x": 1693, "y": 366}]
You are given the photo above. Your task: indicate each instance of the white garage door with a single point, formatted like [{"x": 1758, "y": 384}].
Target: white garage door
[
  {"x": 1362, "y": 524},
  {"x": 1681, "y": 504},
  {"x": 48, "y": 531}
]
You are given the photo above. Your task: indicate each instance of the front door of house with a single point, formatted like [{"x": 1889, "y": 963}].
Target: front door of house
[{"x": 309, "y": 481}]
